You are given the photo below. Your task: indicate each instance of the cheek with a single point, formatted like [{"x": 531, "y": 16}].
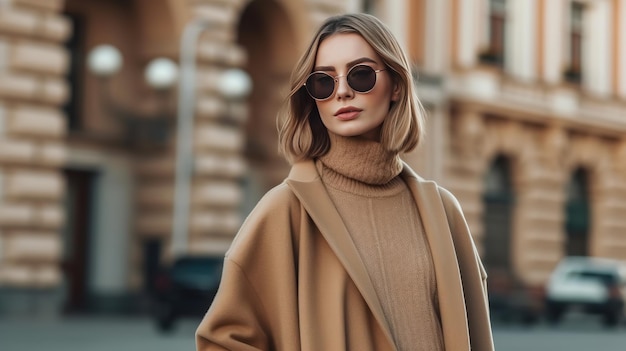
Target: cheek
[
  {"x": 385, "y": 98},
  {"x": 323, "y": 109},
  {"x": 384, "y": 90}
]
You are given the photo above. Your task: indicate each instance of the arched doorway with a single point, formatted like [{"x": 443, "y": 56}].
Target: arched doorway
[
  {"x": 101, "y": 171},
  {"x": 266, "y": 33},
  {"x": 498, "y": 200},
  {"x": 577, "y": 217}
]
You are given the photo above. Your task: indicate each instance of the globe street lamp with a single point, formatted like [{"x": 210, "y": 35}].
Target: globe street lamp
[
  {"x": 235, "y": 84},
  {"x": 104, "y": 61},
  {"x": 161, "y": 73}
]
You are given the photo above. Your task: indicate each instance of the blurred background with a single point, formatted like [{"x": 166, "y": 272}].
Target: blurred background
[{"x": 137, "y": 132}]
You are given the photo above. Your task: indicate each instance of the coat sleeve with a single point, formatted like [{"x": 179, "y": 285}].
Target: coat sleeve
[
  {"x": 236, "y": 318},
  {"x": 256, "y": 304},
  {"x": 473, "y": 275},
  {"x": 459, "y": 228}
]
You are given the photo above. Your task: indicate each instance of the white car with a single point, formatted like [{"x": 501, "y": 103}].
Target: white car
[{"x": 589, "y": 285}]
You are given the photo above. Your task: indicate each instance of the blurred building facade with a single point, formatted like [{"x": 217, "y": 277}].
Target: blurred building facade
[{"x": 526, "y": 126}]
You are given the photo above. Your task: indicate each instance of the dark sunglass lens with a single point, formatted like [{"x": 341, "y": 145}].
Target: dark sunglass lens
[
  {"x": 362, "y": 78},
  {"x": 320, "y": 85}
]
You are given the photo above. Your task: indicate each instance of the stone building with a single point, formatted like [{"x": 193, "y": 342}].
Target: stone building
[
  {"x": 534, "y": 129},
  {"x": 526, "y": 101}
]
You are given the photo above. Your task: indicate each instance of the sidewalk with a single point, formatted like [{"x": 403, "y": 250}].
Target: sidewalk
[{"x": 93, "y": 334}]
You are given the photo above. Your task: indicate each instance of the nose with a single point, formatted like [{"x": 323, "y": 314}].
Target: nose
[{"x": 343, "y": 89}]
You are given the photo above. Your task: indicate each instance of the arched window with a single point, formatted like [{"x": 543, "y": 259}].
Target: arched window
[
  {"x": 577, "y": 218},
  {"x": 498, "y": 200},
  {"x": 265, "y": 32}
]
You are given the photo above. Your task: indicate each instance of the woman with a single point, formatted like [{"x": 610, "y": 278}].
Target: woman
[{"x": 353, "y": 251}]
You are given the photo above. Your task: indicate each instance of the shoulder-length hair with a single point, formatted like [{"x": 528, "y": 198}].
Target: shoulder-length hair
[{"x": 301, "y": 133}]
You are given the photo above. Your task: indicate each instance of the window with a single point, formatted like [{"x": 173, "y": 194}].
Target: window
[
  {"x": 573, "y": 73},
  {"x": 75, "y": 46},
  {"x": 369, "y": 6},
  {"x": 497, "y": 24}
]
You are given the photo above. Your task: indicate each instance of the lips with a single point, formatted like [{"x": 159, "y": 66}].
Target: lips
[{"x": 347, "y": 113}]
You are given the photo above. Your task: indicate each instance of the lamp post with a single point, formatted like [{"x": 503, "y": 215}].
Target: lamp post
[
  {"x": 104, "y": 61},
  {"x": 233, "y": 84}
]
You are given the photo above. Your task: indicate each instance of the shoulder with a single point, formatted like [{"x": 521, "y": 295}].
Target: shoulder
[
  {"x": 279, "y": 197},
  {"x": 411, "y": 176},
  {"x": 272, "y": 219},
  {"x": 275, "y": 206},
  {"x": 450, "y": 202}
]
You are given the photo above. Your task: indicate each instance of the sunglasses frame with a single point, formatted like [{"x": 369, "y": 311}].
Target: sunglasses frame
[{"x": 336, "y": 81}]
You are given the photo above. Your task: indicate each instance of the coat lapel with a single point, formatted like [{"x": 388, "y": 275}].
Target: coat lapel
[
  {"x": 449, "y": 288},
  {"x": 308, "y": 187}
]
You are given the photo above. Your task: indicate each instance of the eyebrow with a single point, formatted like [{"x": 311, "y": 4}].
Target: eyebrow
[{"x": 349, "y": 64}]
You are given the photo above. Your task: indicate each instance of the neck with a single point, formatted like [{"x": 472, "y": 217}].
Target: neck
[{"x": 360, "y": 159}]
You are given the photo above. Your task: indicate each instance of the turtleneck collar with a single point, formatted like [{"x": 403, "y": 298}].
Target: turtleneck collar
[{"x": 360, "y": 159}]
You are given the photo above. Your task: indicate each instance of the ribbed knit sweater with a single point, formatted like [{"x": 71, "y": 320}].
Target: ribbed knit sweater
[{"x": 381, "y": 215}]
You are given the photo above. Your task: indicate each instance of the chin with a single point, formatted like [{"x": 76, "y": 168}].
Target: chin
[
  {"x": 358, "y": 133},
  {"x": 348, "y": 133}
]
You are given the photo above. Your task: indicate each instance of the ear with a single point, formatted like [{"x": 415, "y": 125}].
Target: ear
[{"x": 395, "y": 94}]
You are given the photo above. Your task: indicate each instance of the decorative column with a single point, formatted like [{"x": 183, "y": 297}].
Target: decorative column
[
  {"x": 540, "y": 190},
  {"x": 33, "y": 88},
  {"x": 609, "y": 206},
  {"x": 466, "y": 167},
  {"x": 219, "y": 133}
]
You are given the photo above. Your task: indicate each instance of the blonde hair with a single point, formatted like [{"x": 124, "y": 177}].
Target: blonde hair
[{"x": 301, "y": 133}]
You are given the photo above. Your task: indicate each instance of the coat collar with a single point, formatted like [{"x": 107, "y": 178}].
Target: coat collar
[
  {"x": 308, "y": 187},
  {"x": 306, "y": 183},
  {"x": 447, "y": 273}
]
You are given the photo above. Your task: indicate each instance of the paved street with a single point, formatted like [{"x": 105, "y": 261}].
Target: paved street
[
  {"x": 574, "y": 335},
  {"x": 93, "y": 334},
  {"x": 138, "y": 334}
]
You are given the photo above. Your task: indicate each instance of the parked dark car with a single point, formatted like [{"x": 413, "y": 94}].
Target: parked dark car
[
  {"x": 186, "y": 289},
  {"x": 510, "y": 301}
]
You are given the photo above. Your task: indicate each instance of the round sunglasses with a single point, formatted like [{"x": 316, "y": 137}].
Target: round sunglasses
[{"x": 321, "y": 85}]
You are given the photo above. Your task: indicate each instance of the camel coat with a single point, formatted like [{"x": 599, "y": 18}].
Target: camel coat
[{"x": 293, "y": 279}]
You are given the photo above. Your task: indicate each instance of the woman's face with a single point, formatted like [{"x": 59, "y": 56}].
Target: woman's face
[{"x": 348, "y": 112}]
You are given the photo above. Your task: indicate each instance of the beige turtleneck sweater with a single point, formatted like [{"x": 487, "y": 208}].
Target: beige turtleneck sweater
[{"x": 382, "y": 218}]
